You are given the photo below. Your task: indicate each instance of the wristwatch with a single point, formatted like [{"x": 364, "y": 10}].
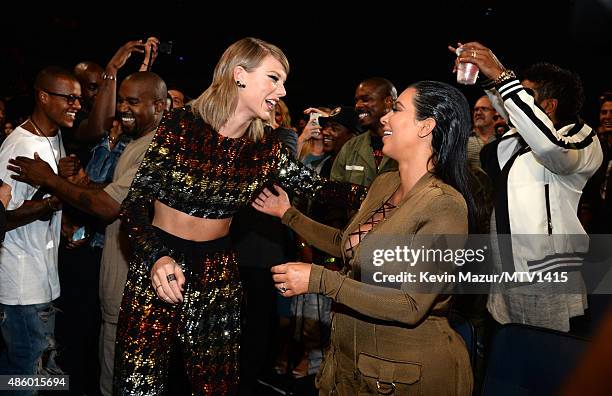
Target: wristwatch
[{"x": 506, "y": 75}]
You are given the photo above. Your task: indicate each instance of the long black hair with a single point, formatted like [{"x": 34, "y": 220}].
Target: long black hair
[{"x": 451, "y": 111}]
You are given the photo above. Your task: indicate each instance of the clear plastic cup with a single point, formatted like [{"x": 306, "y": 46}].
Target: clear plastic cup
[{"x": 467, "y": 73}]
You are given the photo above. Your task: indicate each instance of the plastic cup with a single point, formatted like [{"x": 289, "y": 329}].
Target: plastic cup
[{"x": 467, "y": 73}]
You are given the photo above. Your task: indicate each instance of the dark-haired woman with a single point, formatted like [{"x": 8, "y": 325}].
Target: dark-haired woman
[{"x": 395, "y": 339}]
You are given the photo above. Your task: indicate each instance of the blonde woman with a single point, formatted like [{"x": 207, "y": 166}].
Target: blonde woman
[
  {"x": 205, "y": 162},
  {"x": 282, "y": 116}
]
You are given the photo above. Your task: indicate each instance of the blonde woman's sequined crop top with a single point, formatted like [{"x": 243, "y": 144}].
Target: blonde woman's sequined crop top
[{"x": 194, "y": 169}]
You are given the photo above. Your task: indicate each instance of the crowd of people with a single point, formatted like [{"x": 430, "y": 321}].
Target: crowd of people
[{"x": 157, "y": 243}]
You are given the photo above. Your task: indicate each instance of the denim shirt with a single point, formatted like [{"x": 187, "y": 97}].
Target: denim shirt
[{"x": 101, "y": 168}]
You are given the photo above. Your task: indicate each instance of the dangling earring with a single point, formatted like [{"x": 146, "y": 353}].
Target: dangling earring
[{"x": 240, "y": 85}]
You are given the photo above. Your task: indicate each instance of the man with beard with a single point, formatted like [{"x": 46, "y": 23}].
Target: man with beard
[
  {"x": 77, "y": 325},
  {"x": 361, "y": 159},
  {"x": 28, "y": 256},
  {"x": 140, "y": 104},
  {"x": 539, "y": 169},
  {"x": 484, "y": 120}
]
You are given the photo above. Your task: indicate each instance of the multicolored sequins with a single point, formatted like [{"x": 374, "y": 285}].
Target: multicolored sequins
[{"x": 192, "y": 168}]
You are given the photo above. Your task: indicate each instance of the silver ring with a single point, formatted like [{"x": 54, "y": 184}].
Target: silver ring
[{"x": 282, "y": 289}]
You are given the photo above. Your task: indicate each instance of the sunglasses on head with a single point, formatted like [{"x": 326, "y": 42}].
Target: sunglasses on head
[{"x": 69, "y": 98}]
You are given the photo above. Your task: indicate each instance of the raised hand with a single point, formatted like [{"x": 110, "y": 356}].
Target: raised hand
[
  {"x": 123, "y": 54},
  {"x": 150, "y": 53},
  {"x": 311, "y": 131},
  {"x": 474, "y": 52}
]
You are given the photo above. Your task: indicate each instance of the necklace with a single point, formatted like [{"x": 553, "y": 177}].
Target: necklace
[{"x": 40, "y": 133}]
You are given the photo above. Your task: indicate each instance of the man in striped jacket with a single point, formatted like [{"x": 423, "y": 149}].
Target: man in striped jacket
[{"x": 539, "y": 169}]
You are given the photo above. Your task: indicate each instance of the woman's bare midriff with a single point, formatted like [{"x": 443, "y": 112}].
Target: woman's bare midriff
[{"x": 188, "y": 227}]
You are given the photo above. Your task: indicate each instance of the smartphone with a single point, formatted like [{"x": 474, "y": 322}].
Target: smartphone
[
  {"x": 165, "y": 47},
  {"x": 314, "y": 120}
]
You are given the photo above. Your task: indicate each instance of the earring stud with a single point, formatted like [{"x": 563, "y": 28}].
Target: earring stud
[{"x": 240, "y": 85}]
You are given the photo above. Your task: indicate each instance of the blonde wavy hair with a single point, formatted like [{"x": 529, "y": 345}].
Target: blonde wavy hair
[
  {"x": 286, "y": 116},
  {"x": 218, "y": 102}
]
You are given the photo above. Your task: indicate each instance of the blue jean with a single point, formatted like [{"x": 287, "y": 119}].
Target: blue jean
[
  {"x": 28, "y": 332},
  {"x": 313, "y": 326}
]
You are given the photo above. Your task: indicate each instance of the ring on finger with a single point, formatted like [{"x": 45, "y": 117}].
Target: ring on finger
[
  {"x": 171, "y": 277},
  {"x": 282, "y": 288},
  {"x": 474, "y": 54}
]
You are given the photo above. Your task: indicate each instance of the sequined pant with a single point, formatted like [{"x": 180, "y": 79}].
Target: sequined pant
[{"x": 206, "y": 325}]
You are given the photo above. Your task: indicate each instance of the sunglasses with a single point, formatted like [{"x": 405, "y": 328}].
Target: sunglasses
[{"x": 69, "y": 98}]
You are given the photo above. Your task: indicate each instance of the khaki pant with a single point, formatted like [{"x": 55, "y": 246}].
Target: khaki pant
[
  {"x": 108, "y": 331},
  {"x": 430, "y": 359}
]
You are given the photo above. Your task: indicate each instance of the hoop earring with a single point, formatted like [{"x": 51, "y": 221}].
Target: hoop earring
[{"x": 240, "y": 85}]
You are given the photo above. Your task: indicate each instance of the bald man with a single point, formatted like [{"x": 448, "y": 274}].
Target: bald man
[
  {"x": 140, "y": 104},
  {"x": 361, "y": 159},
  {"x": 28, "y": 256},
  {"x": 484, "y": 121}
]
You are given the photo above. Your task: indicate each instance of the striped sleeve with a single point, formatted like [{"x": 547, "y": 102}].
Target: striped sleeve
[
  {"x": 560, "y": 151},
  {"x": 497, "y": 102}
]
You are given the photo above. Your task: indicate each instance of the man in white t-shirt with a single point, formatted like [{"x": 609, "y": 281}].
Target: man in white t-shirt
[
  {"x": 140, "y": 103},
  {"x": 28, "y": 256}
]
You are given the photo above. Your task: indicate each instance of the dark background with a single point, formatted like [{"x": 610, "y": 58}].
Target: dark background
[{"x": 330, "y": 47}]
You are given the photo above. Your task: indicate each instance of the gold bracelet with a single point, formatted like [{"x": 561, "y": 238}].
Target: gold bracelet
[{"x": 506, "y": 75}]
